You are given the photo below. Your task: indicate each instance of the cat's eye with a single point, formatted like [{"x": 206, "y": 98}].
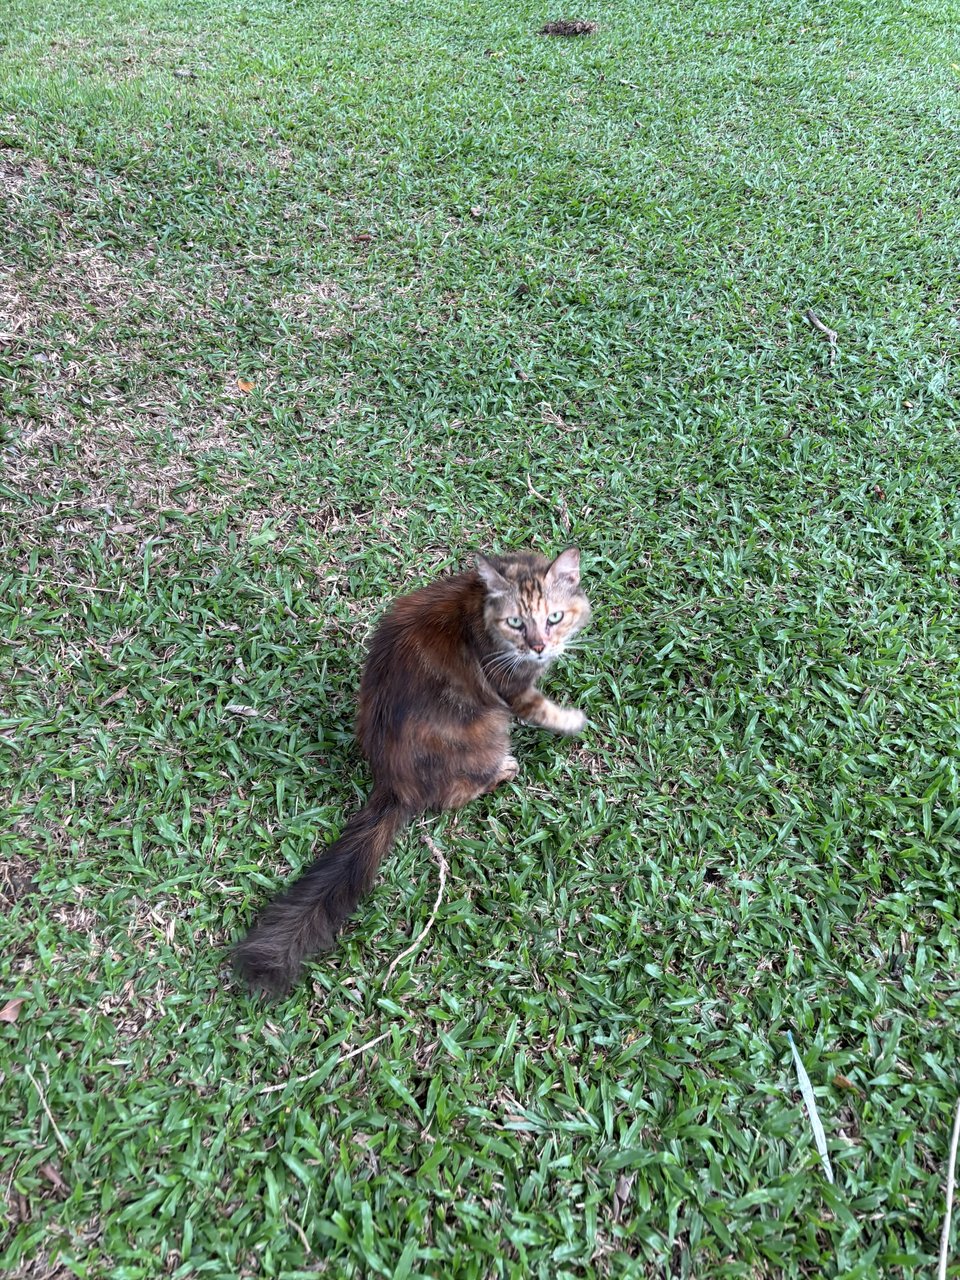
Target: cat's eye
[
  {"x": 516, "y": 623},
  {"x": 554, "y": 618}
]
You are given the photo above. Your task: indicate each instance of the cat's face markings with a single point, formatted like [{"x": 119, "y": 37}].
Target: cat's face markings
[{"x": 534, "y": 607}]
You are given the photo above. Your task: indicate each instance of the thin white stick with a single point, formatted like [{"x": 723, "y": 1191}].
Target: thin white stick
[
  {"x": 43, "y": 1102},
  {"x": 442, "y": 863},
  {"x": 829, "y": 334},
  {"x": 951, "y": 1174},
  {"x": 360, "y": 1047},
  {"x": 535, "y": 493},
  {"x": 276, "y": 1088},
  {"x": 292, "y": 1222}
]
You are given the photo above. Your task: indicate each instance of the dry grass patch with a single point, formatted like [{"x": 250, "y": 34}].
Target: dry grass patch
[
  {"x": 138, "y": 51},
  {"x": 18, "y": 171}
]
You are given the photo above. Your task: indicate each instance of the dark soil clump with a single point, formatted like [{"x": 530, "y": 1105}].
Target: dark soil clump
[{"x": 569, "y": 27}]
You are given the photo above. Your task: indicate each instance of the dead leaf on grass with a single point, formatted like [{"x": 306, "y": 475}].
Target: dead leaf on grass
[
  {"x": 52, "y": 1175},
  {"x": 115, "y": 697},
  {"x": 843, "y": 1082},
  {"x": 621, "y": 1195},
  {"x": 245, "y": 386},
  {"x": 11, "y": 1010}
]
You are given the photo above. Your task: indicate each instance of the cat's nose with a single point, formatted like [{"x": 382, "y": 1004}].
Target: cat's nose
[{"x": 537, "y": 648}]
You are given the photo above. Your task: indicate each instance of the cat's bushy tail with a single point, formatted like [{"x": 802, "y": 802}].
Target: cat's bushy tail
[{"x": 307, "y": 918}]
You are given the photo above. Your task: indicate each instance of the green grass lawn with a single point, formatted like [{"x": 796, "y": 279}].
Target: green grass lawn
[{"x": 301, "y": 300}]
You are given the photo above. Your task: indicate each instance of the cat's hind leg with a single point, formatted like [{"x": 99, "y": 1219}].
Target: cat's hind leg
[
  {"x": 469, "y": 786},
  {"x": 509, "y": 768},
  {"x": 458, "y": 762}
]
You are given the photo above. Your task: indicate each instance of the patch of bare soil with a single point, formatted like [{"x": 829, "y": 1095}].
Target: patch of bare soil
[
  {"x": 18, "y": 879},
  {"x": 568, "y": 27},
  {"x": 18, "y": 171},
  {"x": 137, "y": 52},
  {"x": 96, "y": 422},
  {"x": 104, "y": 441}
]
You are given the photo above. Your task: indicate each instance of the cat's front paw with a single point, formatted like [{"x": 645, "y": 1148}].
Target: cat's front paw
[
  {"x": 570, "y": 721},
  {"x": 509, "y": 768}
]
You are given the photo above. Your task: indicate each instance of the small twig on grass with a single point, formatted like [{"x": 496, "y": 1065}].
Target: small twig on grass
[
  {"x": 292, "y": 1222},
  {"x": 830, "y": 334},
  {"x": 563, "y": 511},
  {"x": 43, "y": 1102},
  {"x": 442, "y": 863},
  {"x": 951, "y": 1175},
  {"x": 535, "y": 493},
  {"x": 276, "y": 1088},
  {"x": 361, "y": 1047}
]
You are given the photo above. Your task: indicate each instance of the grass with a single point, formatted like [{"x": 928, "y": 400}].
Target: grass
[{"x": 303, "y": 301}]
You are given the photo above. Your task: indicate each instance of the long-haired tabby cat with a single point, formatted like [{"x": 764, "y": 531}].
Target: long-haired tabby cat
[{"x": 449, "y": 666}]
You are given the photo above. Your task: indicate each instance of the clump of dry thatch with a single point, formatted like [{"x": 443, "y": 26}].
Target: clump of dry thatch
[{"x": 569, "y": 27}]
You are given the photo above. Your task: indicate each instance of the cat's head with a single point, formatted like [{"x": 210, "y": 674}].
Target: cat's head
[{"x": 534, "y": 607}]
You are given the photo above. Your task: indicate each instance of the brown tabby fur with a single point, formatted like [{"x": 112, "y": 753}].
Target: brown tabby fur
[{"x": 444, "y": 677}]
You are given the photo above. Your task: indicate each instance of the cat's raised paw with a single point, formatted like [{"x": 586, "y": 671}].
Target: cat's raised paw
[{"x": 571, "y": 721}]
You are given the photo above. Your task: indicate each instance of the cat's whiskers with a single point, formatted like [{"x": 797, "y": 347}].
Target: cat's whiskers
[
  {"x": 499, "y": 655},
  {"x": 574, "y": 643},
  {"x": 504, "y": 663}
]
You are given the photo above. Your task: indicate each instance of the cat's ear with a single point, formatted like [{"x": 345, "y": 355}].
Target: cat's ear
[
  {"x": 565, "y": 570},
  {"x": 493, "y": 579}
]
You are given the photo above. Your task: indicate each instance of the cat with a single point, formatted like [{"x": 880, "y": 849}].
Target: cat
[{"x": 449, "y": 666}]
